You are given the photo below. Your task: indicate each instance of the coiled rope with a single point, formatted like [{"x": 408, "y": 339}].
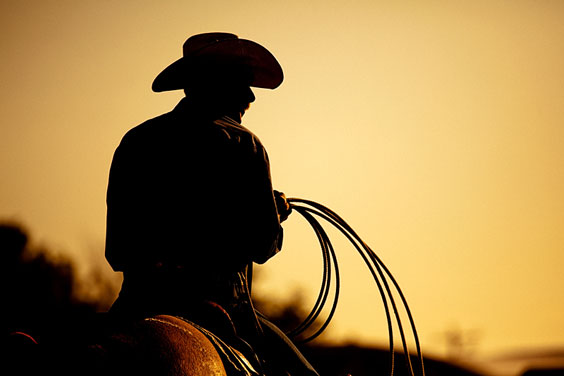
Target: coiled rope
[{"x": 380, "y": 273}]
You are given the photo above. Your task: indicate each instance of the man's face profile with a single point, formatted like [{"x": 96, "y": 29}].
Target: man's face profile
[
  {"x": 233, "y": 98},
  {"x": 243, "y": 96}
]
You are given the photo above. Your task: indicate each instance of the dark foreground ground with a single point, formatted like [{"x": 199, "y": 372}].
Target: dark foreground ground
[{"x": 358, "y": 361}]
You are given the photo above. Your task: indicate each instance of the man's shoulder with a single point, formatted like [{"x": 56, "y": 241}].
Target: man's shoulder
[
  {"x": 235, "y": 133},
  {"x": 150, "y": 127},
  {"x": 179, "y": 128}
]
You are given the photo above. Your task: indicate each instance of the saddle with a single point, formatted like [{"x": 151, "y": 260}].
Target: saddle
[
  {"x": 172, "y": 345},
  {"x": 168, "y": 345}
]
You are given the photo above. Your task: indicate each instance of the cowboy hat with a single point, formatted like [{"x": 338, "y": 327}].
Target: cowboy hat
[{"x": 211, "y": 53}]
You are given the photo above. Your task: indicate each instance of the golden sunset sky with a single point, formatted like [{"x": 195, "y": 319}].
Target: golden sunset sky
[{"x": 435, "y": 128}]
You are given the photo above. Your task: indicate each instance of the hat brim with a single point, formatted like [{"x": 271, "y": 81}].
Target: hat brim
[{"x": 264, "y": 69}]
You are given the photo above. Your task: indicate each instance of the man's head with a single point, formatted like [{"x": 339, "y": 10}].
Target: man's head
[
  {"x": 225, "y": 92},
  {"x": 213, "y": 58}
]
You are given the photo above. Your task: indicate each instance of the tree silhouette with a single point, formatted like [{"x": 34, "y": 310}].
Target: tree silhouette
[{"x": 39, "y": 290}]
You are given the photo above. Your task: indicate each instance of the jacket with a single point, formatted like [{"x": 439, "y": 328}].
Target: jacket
[{"x": 188, "y": 189}]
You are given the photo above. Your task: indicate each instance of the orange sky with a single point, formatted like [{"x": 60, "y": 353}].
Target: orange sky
[{"x": 434, "y": 128}]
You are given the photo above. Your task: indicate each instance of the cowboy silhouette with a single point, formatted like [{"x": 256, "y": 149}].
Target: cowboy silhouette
[{"x": 190, "y": 203}]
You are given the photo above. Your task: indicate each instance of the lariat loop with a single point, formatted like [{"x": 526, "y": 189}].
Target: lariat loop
[{"x": 385, "y": 281}]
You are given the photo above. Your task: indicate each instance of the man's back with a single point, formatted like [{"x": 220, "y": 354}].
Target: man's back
[{"x": 184, "y": 185}]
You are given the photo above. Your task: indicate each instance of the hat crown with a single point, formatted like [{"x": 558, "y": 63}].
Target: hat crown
[{"x": 200, "y": 41}]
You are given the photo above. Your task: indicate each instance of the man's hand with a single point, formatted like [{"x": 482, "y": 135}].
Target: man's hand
[{"x": 282, "y": 205}]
